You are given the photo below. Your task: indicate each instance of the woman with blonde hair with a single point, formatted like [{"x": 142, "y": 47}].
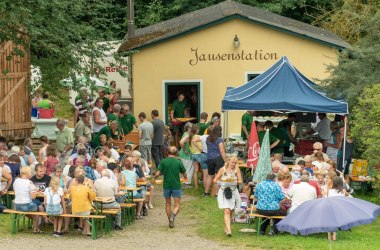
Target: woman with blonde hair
[
  {"x": 25, "y": 195},
  {"x": 55, "y": 204},
  {"x": 228, "y": 177},
  {"x": 82, "y": 197}
]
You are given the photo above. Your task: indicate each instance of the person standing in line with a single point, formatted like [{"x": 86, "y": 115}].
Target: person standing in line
[
  {"x": 203, "y": 124},
  {"x": 158, "y": 137},
  {"x": 246, "y": 123},
  {"x": 171, "y": 168},
  {"x": 145, "y": 135},
  {"x": 65, "y": 140},
  {"x": 106, "y": 101},
  {"x": 99, "y": 116}
]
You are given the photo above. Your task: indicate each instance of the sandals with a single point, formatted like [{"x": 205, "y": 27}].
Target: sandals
[
  {"x": 37, "y": 231},
  {"x": 139, "y": 217}
]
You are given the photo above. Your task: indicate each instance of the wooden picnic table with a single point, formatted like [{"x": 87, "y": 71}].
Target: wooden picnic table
[{"x": 363, "y": 182}]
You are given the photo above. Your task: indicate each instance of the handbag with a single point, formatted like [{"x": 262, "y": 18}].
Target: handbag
[
  {"x": 53, "y": 209},
  {"x": 228, "y": 193}
]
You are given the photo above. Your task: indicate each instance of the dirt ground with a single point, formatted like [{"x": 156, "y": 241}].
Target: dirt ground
[{"x": 152, "y": 232}]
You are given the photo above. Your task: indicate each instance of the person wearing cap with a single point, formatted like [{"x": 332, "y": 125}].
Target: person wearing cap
[{"x": 246, "y": 123}]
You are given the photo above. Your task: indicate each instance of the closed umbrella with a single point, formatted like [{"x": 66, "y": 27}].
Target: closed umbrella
[
  {"x": 328, "y": 215},
  {"x": 264, "y": 166}
]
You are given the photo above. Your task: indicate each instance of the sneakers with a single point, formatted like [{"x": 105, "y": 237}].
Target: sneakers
[
  {"x": 150, "y": 206},
  {"x": 57, "y": 234},
  {"x": 171, "y": 222},
  {"x": 206, "y": 194}
]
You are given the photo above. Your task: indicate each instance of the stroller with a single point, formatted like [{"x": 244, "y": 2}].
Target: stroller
[{"x": 241, "y": 210}]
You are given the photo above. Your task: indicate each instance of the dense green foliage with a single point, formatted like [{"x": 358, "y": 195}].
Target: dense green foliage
[
  {"x": 62, "y": 36},
  {"x": 152, "y": 11},
  {"x": 358, "y": 66},
  {"x": 366, "y": 123}
]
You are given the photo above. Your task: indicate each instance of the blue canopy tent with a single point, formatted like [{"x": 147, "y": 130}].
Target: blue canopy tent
[{"x": 282, "y": 88}]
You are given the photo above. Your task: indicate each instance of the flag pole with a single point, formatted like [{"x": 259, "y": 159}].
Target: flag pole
[{"x": 344, "y": 145}]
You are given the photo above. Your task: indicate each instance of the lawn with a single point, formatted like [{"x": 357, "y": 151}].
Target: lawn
[{"x": 210, "y": 225}]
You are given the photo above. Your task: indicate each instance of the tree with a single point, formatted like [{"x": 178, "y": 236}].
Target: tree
[
  {"x": 366, "y": 123},
  {"x": 347, "y": 18},
  {"x": 62, "y": 36},
  {"x": 357, "y": 66}
]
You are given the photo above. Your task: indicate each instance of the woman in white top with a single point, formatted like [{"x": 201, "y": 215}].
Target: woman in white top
[
  {"x": 98, "y": 115},
  {"x": 25, "y": 192},
  {"x": 228, "y": 196}
]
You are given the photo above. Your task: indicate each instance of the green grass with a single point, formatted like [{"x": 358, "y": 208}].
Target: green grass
[
  {"x": 210, "y": 225},
  {"x": 63, "y": 108}
]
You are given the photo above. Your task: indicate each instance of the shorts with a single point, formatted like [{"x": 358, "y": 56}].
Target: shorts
[
  {"x": 28, "y": 207},
  {"x": 175, "y": 193},
  {"x": 214, "y": 165},
  {"x": 86, "y": 213},
  {"x": 202, "y": 159},
  {"x": 142, "y": 191},
  {"x": 178, "y": 128}
]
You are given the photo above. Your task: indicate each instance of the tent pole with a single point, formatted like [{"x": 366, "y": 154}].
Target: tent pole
[{"x": 344, "y": 145}]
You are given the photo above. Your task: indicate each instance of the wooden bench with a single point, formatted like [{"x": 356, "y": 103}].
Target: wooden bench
[
  {"x": 128, "y": 213},
  {"x": 17, "y": 215},
  {"x": 260, "y": 219}
]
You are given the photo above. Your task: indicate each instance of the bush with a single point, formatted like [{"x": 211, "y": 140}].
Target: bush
[{"x": 366, "y": 123}]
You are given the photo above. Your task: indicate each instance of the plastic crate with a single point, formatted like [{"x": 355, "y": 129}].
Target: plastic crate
[{"x": 46, "y": 113}]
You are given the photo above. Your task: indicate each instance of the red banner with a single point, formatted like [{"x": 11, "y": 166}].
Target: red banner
[{"x": 254, "y": 147}]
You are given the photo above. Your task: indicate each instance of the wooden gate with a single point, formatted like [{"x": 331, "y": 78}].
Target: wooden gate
[{"x": 15, "y": 102}]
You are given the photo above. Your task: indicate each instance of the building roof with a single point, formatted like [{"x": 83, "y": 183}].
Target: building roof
[{"x": 225, "y": 11}]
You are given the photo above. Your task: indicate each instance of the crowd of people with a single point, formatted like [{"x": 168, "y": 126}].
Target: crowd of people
[{"x": 65, "y": 177}]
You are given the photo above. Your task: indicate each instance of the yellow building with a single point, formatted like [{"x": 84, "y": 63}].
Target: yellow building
[{"x": 204, "y": 52}]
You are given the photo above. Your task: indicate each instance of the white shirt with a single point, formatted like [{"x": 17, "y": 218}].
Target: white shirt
[
  {"x": 105, "y": 187},
  {"x": 323, "y": 129},
  {"x": 204, "y": 144},
  {"x": 103, "y": 118},
  {"x": 22, "y": 188},
  {"x": 111, "y": 174},
  {"x": 114, "y": 154},
  {"x": 334, "y": 192},
  {"x": 300, "y": 193},
  {"x": 56, "y": 197}
]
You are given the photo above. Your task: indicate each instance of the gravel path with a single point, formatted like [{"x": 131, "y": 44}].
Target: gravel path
[{"x": 148, "y": 233}]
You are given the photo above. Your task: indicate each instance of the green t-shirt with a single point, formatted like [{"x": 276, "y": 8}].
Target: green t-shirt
[
  {"x": 280, "y": 146},
  {"x": 179, "y": 108},
  {"x": 246, "y": 120},
  {"x": 112, "y": 117},
  {"x": 171, "y": 168},
  {"x": 43, "y": 104},
  {"x": 105, "y": 130},
  {"x": 127, "y": 122},
  {"x": 182, "y": 153},
  {"x": 261, "y": 134},
  {"x": 106, "y": 104},
  {"x": 202, "y": 127}
]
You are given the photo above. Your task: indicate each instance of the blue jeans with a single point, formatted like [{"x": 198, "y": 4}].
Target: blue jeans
[
  {"x": 202, "y": 159},
  {"x": 175, "y": 193},
  {"x": 28, "y": 207}
]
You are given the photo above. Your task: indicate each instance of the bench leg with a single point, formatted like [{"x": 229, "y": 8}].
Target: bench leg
[
  {"x": 258, "y": 225},
  {"x": 14, "y": 223},
  {"x": 93, "y": 229}
]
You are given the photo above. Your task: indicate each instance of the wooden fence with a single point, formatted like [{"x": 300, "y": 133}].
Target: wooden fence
[{"x": 15, "y": 102}]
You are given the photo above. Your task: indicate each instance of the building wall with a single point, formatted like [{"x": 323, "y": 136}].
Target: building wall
[{"x": 175, "y": 60}]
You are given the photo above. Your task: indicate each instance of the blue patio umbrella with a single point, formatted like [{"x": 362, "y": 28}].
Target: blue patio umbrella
[{"x": 329, "y": 215}]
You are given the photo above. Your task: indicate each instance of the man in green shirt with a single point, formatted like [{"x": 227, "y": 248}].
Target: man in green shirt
[
  {"x": 276, "y": 132},
  {"x": 171, "y": 168},
  {"x": 202, "y": 124},
  {"x": 246, "y": 123},
  {"x": 273, "y": 141},
  {"x": 178, "y": 111},
  {"x": 111, "y": 131},
  {"x": 115, "y": 115},
  {"x": 106, "y": 101},
  {"x": 127, "y": 121}
]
